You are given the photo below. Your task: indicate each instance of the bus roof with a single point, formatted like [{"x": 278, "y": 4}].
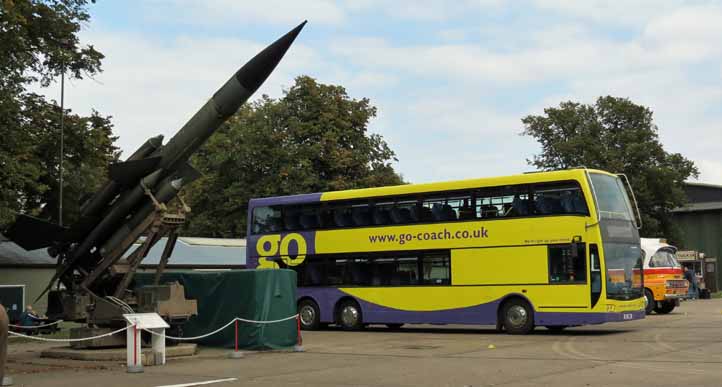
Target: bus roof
[
  {"x": 652, "y": 245},
  {"x": 406, "y": 189}
]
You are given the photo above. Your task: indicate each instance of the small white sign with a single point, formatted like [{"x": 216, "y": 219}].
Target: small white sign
[{"x": 146, "y": 320}]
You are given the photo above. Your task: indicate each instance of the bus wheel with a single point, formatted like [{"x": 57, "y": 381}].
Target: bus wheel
[
  {"x": 648, "y": 301},
  {"x": 349, "y": 315},
  {"x": 309, "y": 315},
  {"x": 394, "y": 326},
  {"x": 667, "y": 306},
  {"x": 518, "y": 317}
]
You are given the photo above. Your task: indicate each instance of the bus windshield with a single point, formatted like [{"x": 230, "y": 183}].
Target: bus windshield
[
  {"x": 663, "y": 258},
  {"x": 624, "y": 274},
  {"x": 622, "y": 253},
  {"x": 612, "y": 201}
]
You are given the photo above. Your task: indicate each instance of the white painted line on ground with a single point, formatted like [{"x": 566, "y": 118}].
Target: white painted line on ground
[{"x": 199, "y": 383}]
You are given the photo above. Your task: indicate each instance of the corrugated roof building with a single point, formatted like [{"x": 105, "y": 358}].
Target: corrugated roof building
[
  {"x": 701, "y": 221},
  {"x": 34, "y": 269}
]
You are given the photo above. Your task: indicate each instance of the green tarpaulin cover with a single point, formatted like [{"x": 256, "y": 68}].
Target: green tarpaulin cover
[{"x": 260, "y": 295}]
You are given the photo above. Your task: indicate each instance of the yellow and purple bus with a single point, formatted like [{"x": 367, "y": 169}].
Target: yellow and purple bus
[{"x": 517, "y": 252}]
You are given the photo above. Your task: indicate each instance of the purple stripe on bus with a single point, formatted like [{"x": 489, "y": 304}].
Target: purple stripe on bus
[
  {"x": 326, "y": 298},
  {"x": 584, "y": 318},
  {"x": 483, "y": 314},
  {"x": 283, "y": 200}
]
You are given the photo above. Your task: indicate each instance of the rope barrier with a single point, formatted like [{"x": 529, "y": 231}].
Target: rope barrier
[
  {"x": 221, "y": 328},
  {"x": 267, "y": 322},
  {"x": 147, "y": 330},
  {"x": 35, "y": 326},
  {"x": 191, "y": 338},
  {"x": 69, "y": 340}
]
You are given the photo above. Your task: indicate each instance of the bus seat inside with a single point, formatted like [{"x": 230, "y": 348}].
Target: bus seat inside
[
  {"x": 381, "y": 217},
  {"x": 309, "y": 221},
  {"x": 361, "y": 216}
]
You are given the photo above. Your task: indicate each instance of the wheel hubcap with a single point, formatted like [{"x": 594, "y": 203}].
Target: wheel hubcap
[
  {"x": 517, "y": 316},
  {"x": 349, "y": 316},
  {"x": 308, "y": 315}
]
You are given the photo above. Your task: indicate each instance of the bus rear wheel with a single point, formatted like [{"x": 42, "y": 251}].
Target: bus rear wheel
[
  {"x": 349, "y": 315},
  {"x": 309, "y": 315},
  {"x": 518, "y": 317},
  {"x": 666, "y": 307},
  {"x": 648, "y": 301}
]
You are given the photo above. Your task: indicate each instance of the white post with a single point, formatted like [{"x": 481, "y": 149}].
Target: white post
[
  {"x": 158, "y": 342},
  {"x": 133, "y": 344}
]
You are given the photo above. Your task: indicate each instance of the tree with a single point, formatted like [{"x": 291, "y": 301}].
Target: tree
[
  {"x": 38, "y": 42},
  {"x": 618, "y": 136},
  {"x": 313, "y": 139}
]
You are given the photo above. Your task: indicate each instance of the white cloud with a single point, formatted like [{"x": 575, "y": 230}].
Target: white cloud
[
  {"x": 151, "y": 87},
  {"x": 217, "y": 12},
  {"x": 449, "y": 110},
  {"x": 710, "y": 171},
  {"x": 687, "y": 34},
  {"x": 629, "y": 13},
  {"x": 423, "y": 10}
]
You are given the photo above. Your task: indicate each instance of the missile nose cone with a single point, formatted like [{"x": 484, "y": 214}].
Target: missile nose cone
[{"x": 255, "y": 72}]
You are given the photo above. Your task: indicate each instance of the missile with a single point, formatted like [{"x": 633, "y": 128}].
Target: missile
[
  {"x": 117, "y": 210},
  {"x": 95, "y": 205}
]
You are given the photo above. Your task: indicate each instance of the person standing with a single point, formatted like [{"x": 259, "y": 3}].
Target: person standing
[{"x": 689, "y": 275}]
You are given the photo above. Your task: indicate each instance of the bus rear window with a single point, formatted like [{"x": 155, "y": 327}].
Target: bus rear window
[
  {"x": 266, "y": 219},
  {"x": 663, "y": 258}
]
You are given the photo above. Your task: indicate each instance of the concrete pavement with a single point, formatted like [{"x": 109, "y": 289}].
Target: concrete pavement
[{"x": 682, "y": 348}]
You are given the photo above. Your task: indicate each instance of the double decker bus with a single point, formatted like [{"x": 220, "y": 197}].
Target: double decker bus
[{"x": 516, "y": 252}]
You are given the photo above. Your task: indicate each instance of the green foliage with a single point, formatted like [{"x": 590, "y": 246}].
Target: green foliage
[
  {"x": 618, "y": 136},
  {"x": 313, "y": 139},
  {"x": 38, "y": 41}
]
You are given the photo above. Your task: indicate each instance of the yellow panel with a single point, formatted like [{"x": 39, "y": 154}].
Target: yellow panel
[
  {"x": 427, "y": 298},
  {"x": 500, "y": 265},
  {"x": 501, "y": 232},
  {"x": 539, "y": 177},
  {"x": 544, "y": 298}
]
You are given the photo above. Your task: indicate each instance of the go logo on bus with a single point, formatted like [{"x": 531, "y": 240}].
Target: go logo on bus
[{"x": 270, "y": 246}]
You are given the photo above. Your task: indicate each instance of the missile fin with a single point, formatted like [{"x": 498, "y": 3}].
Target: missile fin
[
  {"x": 32, "y": 233},
  {"x": 128, "y": 173}
]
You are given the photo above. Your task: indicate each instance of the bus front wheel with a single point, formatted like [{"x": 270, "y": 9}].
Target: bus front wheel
[
  {"x": 666, "y": 307},
  {"x": 518, "y": 317},
  {"x": 648, "y": 301},
  {"x": 349, "y": 315},
  {"x": 309, "y": 315}
]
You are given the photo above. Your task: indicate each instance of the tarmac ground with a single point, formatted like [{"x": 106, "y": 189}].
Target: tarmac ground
[{"x": 681, "y": 348}]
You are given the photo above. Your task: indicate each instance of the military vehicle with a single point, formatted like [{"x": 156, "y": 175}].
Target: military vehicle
[{"x": 93, "y": 275}]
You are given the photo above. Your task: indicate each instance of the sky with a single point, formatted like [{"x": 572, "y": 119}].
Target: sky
[{"x": 451, "y": 80}]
